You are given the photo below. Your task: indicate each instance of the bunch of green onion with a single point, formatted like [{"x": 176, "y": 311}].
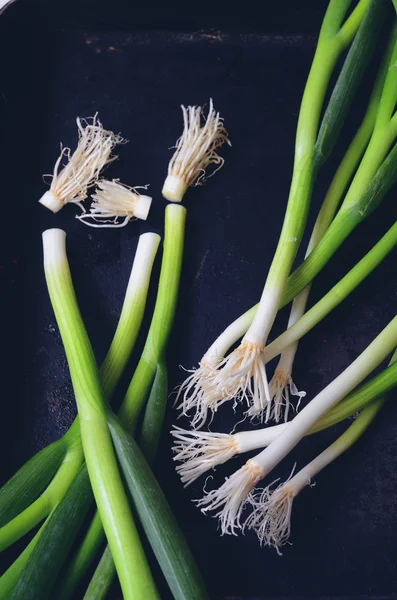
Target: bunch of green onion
[
  {"x": 107, "y": 458},
  {"x": 98, "y": 459},
  {"x": 365, "y": 175}
]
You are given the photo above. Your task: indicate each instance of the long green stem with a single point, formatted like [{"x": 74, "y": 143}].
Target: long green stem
[
  {"x": 369, "y": 359},
  {"x": 161, "y": 528},
  {"x": 272, "y": 515},
  {"x": 163, "y": 317},
  {"x": 134, "y": 573},
  {"x": 373, "y": 179},
  {"x": 149, "y": 439},
  {"x": 371, "y": 390},
  {"x": 66, "y": 453},
  {"x": 243, "y": 373},
  {"x": 30, "y": 480},
  {"x": 335, "y": 296},
  {"x": 41, "y": 508},
  {"x": 343, "y": 224},
  {"x": 142, "y": 381},
  {"x": 371, "y": 16},
  {"x": 333, "y": 197},
  {"x": 10, "y": 577},
  {"x": 29, "y": 577},
  {"x": 171, "y": 551},
  {"x": 328, "y": 50}
]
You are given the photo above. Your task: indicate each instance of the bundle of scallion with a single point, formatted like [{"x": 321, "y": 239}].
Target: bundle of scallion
[
  {"x": 365, "y": 175},
  {"x": 58, "y": 471},
  {"x": 97, "y": 458},
  {"x": 241, "y": 375}
]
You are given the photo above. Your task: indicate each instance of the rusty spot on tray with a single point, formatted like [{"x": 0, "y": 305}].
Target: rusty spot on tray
[
  {"x": 199, "y": 270},
  {"x": 212, "y": 36}
]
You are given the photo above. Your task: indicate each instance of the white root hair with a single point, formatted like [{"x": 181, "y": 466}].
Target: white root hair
[
  {"x": 113, "y": 201},
  {"x": 200, "y": 393},
  {"x": 280, "y": 388},
  {"x": 231, "y": 497},
  {"x": 201, "y": 451},
  {"x": 71, "y": 181},
  {"x": 242, "y": 375},
  {"x": 271, "y": 514},
  {"x": 195, "y": 151}
]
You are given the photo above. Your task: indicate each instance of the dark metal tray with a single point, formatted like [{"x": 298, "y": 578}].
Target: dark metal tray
[{"x": 135, "y": 67}]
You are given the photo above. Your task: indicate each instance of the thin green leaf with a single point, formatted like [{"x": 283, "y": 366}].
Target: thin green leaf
[
  {"x": 349, "y": 79},
  {"x": 153, "y": 418},
  {"x": 32, "y": 478},
  {"x": 165, "y": 537},
  {"x": 54, "y": 543}
]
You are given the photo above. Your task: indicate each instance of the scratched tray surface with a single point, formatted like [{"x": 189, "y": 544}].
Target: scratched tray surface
[{"x": 344, "y": 529}]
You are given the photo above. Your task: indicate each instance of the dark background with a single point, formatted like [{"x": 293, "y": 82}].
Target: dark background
[{"x": 135, "y": 65}]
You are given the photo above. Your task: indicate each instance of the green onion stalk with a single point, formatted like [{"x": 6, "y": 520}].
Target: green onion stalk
[
  {"x": 211, "y": 384},
  {"x": 272, "y": 507},
  {"x": 106, "y": 481},
  {"x": 53, "y": 468},
  {"x": 282, "y": 385},
  {"x": 149, "y": 381},
  {"x": 51, "y": 471},
  {"x": 192, "y": 446},
  {"x": 200, "y": 451},
  {"x": 178, "y": 565},
  {"x": 230, "y": 499},
  {"x": 243, "y": 373}
]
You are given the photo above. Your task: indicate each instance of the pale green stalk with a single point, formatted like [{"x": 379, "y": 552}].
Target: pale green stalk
[
  {"x": 374, "y": 177},
  {"x": 335, "y": 296},
  {"x": 153, "y": 355},
  {"x": 271, "y": 516},
  {"x": 132, "y": 568},
  {"x": 329, "y": 48},
  {"x": 113, "y": 365},
  {"x": 243, "y": 373},
  {"x": 229, "y": 499},
  {"x": 282, "y": 378},
  {"x": 200, "y": 451}
]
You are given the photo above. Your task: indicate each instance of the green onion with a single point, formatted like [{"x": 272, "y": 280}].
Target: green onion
[
  {"x": 65, "y": 457},
  {"x": 131, "y": 564},
  {"x": 228, "y": 501},
  {"x": 115, "y": 361},
  {"x": 203, "y": 389},
  {"x": 148, "y": 442},
  {"x": 335, "y": 296},
  {"x": 281, "y": 384},
  {"x": 221, "y": 377},
  {"x": 243, "y": 373},
  {"x": 178, "y": 565},
  {"x": 200, "y": 451},
  {"x": 32, "y": 579},
  {"x": 31, "y": 479},
  {"x": 271, "y": 509},
  {"x": 165, "y": 537}
]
